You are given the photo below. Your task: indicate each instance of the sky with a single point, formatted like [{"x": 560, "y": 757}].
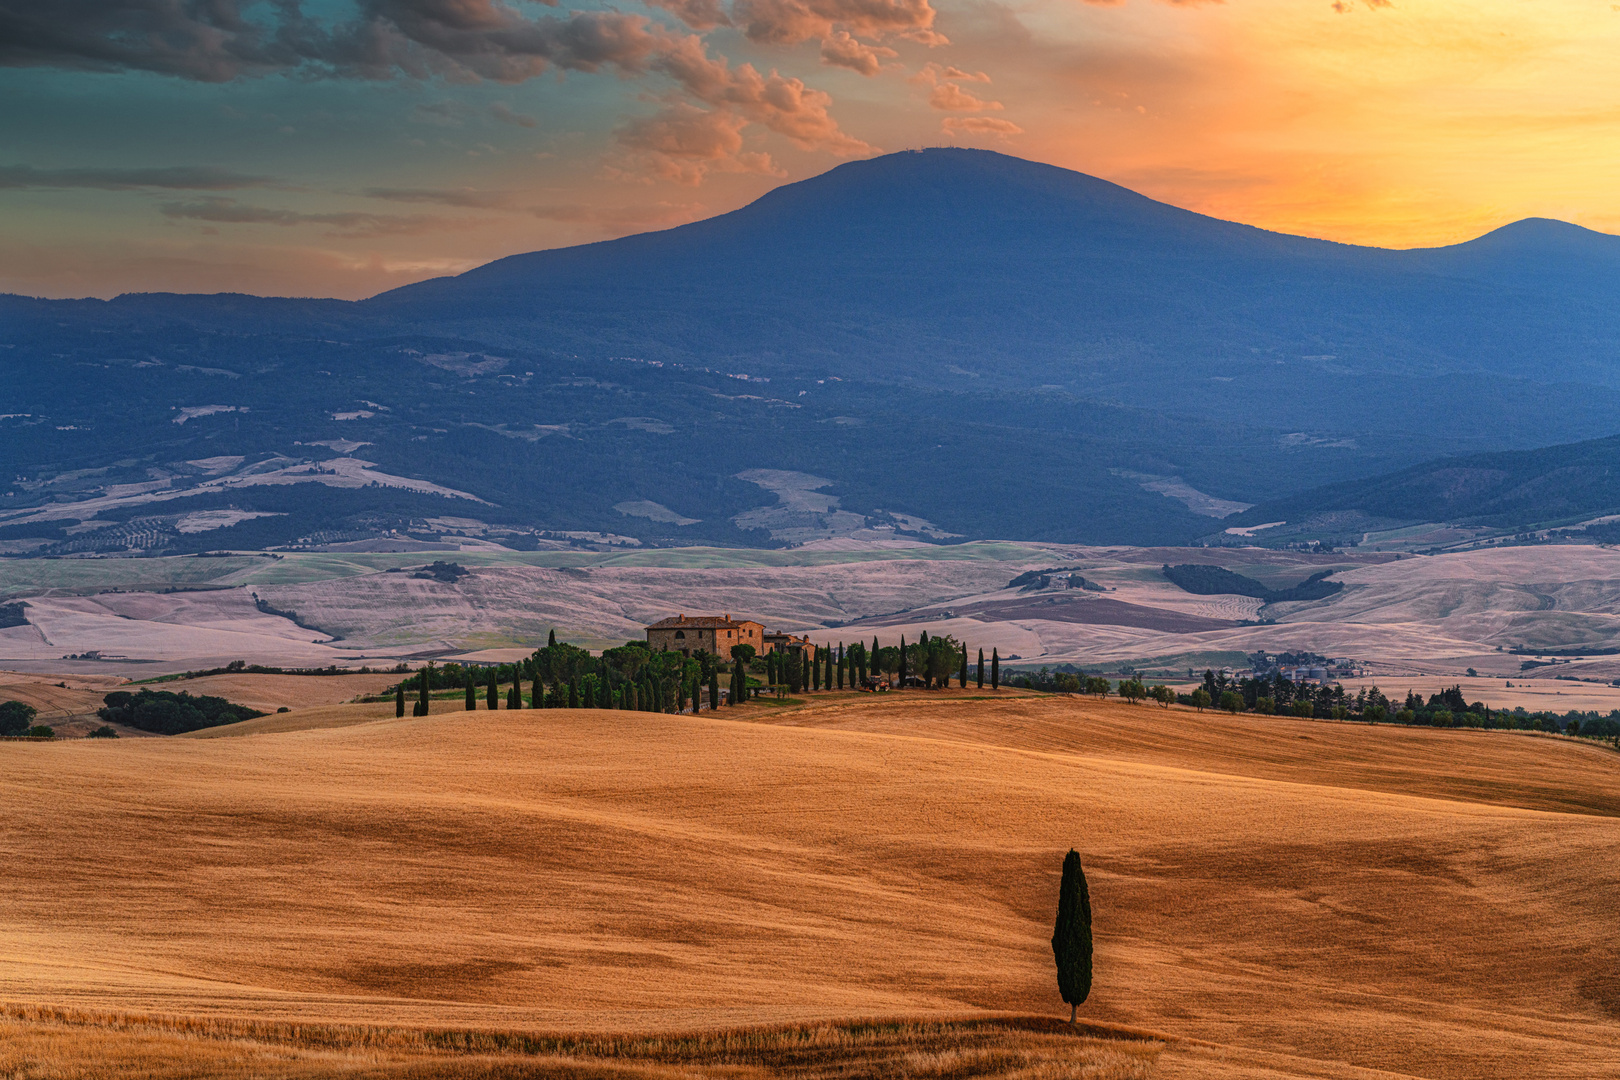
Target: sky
[{"x": 344, "y": 147}]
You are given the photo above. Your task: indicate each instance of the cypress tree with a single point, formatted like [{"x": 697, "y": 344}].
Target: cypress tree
[
  {"x": 606, "y": 699},
  {"x": 472, "y": 689},
  {"x": 981, "y": 669},
  {"x": 399, "y": 700},
  {"x": 1071, "y": 938},
  {"x": 573, "y": 692},
  {"x": 492, "y": 696},
  {"x": 714, "y": 687},
  {"x": 828, "y": 680},
  {"x": 995, "y": 669},
  {"x": 815, "y": 675},
  {"x": 551, "y": 641},
  {"x": 425, "y": 677},
  {"x": 735, "y": 697},
  {"x": 900, "y": 678},
  {"x": 961, "y": 676}
]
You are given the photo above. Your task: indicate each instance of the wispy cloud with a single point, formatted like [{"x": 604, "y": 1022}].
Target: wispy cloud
[
  {"x": 175, "y": 177},
  {"x": 344, "y": 224}
]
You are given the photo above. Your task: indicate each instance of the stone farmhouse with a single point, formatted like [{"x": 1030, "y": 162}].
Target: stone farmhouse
[{"x": 716, "y": 634}]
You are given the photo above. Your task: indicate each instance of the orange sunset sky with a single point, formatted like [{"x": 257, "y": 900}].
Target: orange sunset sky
[{"x": 342, "y": 147}]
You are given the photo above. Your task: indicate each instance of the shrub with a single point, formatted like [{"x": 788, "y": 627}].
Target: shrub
[
  {"x": 1304, "y": 708},
  {"x": 167, "y": 713},
  {"x": 103, "y": 732},
  {"x": 1232, "y": 701},
  {"x": 15, "y": 718},
  {"x": 41, "y": 731},
  {"x": 1265, "y": 706}
]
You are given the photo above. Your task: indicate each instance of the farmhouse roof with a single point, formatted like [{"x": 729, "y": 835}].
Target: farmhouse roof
[{"x": 700, "y": 622}]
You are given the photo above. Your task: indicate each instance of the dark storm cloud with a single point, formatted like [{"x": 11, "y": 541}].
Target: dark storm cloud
[
  {"x": 179, "y": 178},
  {"x": 216, "y": 41}
]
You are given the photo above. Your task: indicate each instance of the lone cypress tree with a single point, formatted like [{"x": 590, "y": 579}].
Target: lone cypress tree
[
  {"x": 472, "y": 689},
  {"x": 981, "y": 669},
  {"x": 424, "y": 677},
  {"x": 399, "y": 700},
  {"x": 900, "y": 678},
  {"x": 995, "y": 669},
  {"x": 961, "y": 676},
  {"x": 1071, "y": 938}
]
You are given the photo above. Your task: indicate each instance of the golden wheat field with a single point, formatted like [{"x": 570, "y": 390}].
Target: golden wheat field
[{"x": 862, "y": 886}]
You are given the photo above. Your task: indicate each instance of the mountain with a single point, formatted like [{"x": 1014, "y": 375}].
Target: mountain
[
  {"x": 1514, "y": 491},
  {"x": 934, "y": 344}
]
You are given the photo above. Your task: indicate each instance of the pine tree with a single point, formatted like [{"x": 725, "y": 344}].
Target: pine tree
[
  {"x": 900, "y": 679},
  {"x": 995, "y": 670},
  {"x": 472, "y": 689},
  {"x": 981, "y": 669},
  {"x": 492, "y": 696},
  {"x": 399, "y": 700},
  {"x": 961, "y": 676},
  {"x": 1071, "y": 938}
]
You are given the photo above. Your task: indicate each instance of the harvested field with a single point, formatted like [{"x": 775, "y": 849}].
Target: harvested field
[
  {"x": 1070, "y": 607},
  {"x": 157, "y": 1048},
  {"x": 268, "y": 693},
  {"x": 1276, "y": 897}
]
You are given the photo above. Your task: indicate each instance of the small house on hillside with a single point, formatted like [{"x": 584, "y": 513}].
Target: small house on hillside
[{"x": 787, "y": 643}]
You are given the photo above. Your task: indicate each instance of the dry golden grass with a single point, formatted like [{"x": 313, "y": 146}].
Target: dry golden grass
[
  {"x": 1280, "y": 898},
  {"x": 271, "y": 692},
  {"x": 62, "y": 1044}
]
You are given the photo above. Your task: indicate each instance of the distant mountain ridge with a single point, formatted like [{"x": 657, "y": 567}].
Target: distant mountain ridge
[{"x": 991, "y": 346}]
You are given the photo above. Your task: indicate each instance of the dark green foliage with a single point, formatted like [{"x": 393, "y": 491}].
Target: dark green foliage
[
  {"x": 962, "y": 676},
  {"x": 995, "y": 669},
  {"x": 1211, "y": 580},
  {"x": 492, "y": 695},
  {"x": 551, "y": 639},
  {"x": 13, "y": 615},
  {"x": 1071, "y": 938},
  {"x": 41, "y": 731},
  {"x": 573, "y": 693},
  {"x": 900, "y": 680},
  {"x": 167, "y": 713},
  {"x": 399, "y": 700},
  {"x": 103, "y": 732},
  {"x": 447, "y": 572},
  {"x": 15, "y": 717},
  {"x": 981, "y": 669},
  {"x": 424, "y": 682},
  {"x": 472, "y": 690},
  {"x": 714, "y": 687}
]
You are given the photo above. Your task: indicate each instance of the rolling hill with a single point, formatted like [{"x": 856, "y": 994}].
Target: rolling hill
[
  {"x": 937, "y": 344},
  {"x": 1273, "y": 897},
  {"x": 1509, "y": 490}
]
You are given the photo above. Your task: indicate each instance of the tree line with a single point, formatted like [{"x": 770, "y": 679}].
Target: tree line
[{"x": 637, "y": 677}]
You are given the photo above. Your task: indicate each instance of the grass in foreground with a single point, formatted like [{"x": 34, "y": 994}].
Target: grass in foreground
[{"x": 42, "y": 1043}]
